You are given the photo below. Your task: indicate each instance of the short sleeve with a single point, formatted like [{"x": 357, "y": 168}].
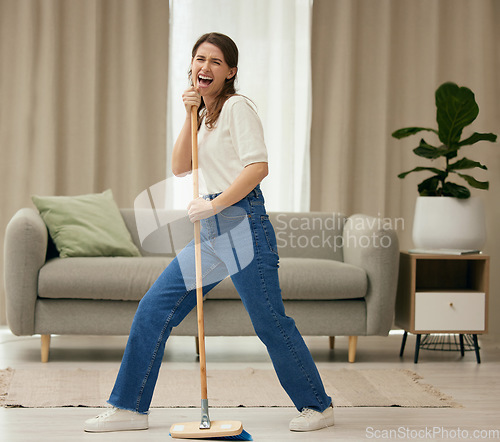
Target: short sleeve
[{"x": 247, "y": 134}]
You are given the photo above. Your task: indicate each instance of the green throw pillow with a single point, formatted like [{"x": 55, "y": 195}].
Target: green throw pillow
[{"x": 86, "y": 225}]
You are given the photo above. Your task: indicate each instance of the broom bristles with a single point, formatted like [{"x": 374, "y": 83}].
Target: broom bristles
[{"x": 242, "y": 436}]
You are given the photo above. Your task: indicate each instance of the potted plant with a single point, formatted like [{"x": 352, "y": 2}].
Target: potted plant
[{"x": 445, "y": 214}]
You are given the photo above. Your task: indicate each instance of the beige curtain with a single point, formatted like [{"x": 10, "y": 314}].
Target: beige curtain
[
  {"x": 82, "y": 100},
  {"x": 376, "y": 65}
]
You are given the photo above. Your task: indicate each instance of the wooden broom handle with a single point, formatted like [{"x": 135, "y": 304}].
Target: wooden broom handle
[{"x": 197, "y": 254}]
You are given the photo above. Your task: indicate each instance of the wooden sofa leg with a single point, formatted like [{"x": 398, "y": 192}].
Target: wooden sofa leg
[
  {"x": 332, "y": 342},
  {"x": 45, "y": 348},
  {"x": 197, "y": 342},
  {"x": 353, "y": 341}
]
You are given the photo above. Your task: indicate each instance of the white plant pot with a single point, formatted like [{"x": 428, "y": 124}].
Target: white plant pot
[{"x": 449, "y": 223}]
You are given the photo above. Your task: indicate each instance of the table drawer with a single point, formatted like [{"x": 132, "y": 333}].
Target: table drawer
[{"x": 450, "y": 311}]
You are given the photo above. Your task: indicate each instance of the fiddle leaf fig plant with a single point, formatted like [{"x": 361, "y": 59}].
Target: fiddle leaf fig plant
[{"x": 456, "y": 109}]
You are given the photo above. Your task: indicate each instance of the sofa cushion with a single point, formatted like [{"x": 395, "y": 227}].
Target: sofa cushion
[
  {"x": 128, "y": 279},
  {"x": 119, "y": 278},
  {"x": 86, "y": 225},
  {"x": 310, "y": 279}
]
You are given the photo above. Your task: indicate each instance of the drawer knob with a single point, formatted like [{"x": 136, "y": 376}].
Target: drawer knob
[{"x": 451, "y": 304}]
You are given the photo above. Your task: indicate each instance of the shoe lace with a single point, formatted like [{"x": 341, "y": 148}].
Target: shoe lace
[
  {"x": 307, "y": 413},
  {"x": 106, "y": 413}
]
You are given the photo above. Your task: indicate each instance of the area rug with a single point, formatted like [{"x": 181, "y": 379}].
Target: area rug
[{"x": 46, "y": 387}]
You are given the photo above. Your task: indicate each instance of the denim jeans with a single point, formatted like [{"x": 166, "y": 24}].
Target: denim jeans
[{"x": 254, "y": 272}]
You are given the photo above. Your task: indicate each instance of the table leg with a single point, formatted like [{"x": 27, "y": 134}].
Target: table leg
[
  {"x": 417, "y": 348},
  {"x": 462, "y": 350},
  {"x": 403, "y": 343},
  {"x": 476, "y": 348}
]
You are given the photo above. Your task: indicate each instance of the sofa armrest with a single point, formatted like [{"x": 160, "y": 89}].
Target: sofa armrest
[
  {"x": 25, "y": 250},
  {"x": 367, "y": 244}
]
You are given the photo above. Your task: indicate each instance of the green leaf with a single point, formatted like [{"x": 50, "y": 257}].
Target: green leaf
[
  {"x": 451, "y": 153},
  {"x": 439, "y": 172},
  {"x": 456, "y": 108},
  {"x": 483, "y": 185},
  {"x": 430, "y": 152},
  {"x": 407, "y": 131},
  {"x": 465, "y": 163},
  {"x": 429, "y": 186},
  {"x": 456, "y": 191},
  {"x": 475, "y": 137}
]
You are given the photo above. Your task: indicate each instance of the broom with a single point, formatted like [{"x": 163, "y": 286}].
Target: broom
[{"x": 216, "y": 430}]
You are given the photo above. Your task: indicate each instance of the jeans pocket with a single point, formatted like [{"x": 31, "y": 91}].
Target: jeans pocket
[
  {"x": 269, "y": 233},
  {"x": 233, "y": 213}
]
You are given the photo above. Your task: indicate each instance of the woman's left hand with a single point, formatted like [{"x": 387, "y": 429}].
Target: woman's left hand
[{"x": 199, "y": 209}]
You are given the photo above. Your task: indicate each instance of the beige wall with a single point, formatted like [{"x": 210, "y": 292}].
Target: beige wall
[{"x": 83, "y": 100}]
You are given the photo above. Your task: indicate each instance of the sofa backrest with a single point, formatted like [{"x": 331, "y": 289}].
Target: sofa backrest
[
  {"x": 308, "y": 234},
  {"x": 162, "y": 232},
  {"x": 298, "y": 234}
]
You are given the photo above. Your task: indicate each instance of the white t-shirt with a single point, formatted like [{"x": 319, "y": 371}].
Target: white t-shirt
[{"x": 236, "y": 141}]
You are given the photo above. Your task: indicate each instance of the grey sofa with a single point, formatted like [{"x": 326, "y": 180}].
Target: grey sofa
[{"x": 338, "y": 277}]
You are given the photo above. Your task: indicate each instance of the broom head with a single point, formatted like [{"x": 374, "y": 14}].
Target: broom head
[{"x": 219, "y": 430}]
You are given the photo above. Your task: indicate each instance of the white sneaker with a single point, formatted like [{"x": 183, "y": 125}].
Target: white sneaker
[
  {"x": 310, "y": 420},
  {"x": 116, "y": 419}
]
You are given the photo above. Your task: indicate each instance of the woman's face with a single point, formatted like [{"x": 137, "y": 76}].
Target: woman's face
[{"x": 210, "y": 70}]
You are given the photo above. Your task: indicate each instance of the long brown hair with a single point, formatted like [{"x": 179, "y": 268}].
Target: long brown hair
[{"x": 230, "y": 52}]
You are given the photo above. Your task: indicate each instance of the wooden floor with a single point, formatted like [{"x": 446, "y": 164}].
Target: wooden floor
[{"x": 476, "y": 387}]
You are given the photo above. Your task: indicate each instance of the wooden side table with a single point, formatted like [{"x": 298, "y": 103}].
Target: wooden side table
[{"x": 442, "y": 294}]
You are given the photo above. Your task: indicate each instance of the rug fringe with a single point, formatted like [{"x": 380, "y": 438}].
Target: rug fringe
[
  {"x": 5, "y": 379},
  {"x": 431, "y": 389}
]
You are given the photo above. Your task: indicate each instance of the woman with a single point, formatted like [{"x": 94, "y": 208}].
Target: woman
[{"x": 233, "y": 161}]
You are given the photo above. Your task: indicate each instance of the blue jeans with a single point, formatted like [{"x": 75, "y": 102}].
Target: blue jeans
[{"x": 254, "y": 273}]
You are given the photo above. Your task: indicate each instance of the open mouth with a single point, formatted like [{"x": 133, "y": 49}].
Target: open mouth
[{"x": 204, "y": 81}]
